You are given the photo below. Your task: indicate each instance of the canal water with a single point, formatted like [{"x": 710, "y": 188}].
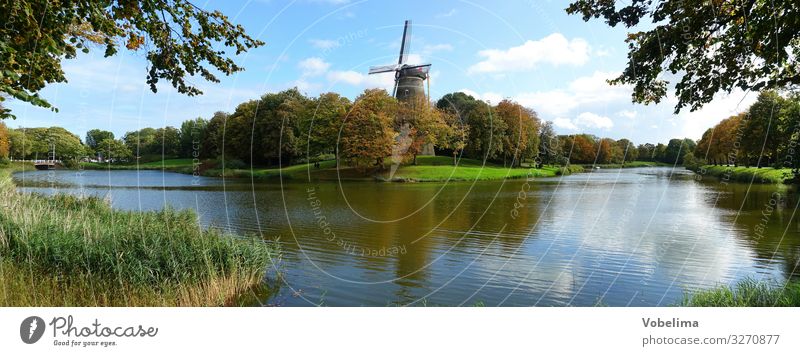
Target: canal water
[{"x": 615, "y": 237}]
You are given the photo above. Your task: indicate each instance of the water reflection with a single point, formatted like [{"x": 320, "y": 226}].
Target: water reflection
[{"x": 613, "y": 237}]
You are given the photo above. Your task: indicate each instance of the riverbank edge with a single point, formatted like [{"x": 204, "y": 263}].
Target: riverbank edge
[
  {"x": 428, "y": 169},
  {"x": 764, "y": 175},
  {"x": 71, "y": 257}
]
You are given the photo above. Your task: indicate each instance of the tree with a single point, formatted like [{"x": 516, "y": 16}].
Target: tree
[
  {"x": 367, "y": 133},
  {"x": 712, "y": 47},
  {"x": 421, "y": 123},
  {"x": 45, "y": 143},
  {"x": 114, "y": 150},
  {"x": 520, "y": 139},
  {"x": 485, "y": 136},
  {"x": 627, "y": 150},
  {"x": 168, "y": 142},
  {"x": 214, "y": 135},
  {"x": 583, "y": 149},
  {"x": 277, "y": 125},
  {"x": 192, "y": 137},
  {"x": 549, "y": 147},
  {"x": 181, "y": 40},
  {"x": 676, "y": 149},
  {"x": 319, "y": 132},
  {"x": 763, "y": 138},
  {"x": 4, "y": 141},
  {"x": 455, "y": 135},
  {"x": 605, "y": 151},
  {"x": 142, "y": 142},
  {"x": 94, "y": 136},
  {"x": 647, "y": 152}
]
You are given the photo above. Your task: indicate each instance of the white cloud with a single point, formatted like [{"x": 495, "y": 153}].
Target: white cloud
[
  {"x": 693, "y": 124},
  {"x": 554, "y": 49},
  {"x": 448, "y": 14},
  {"x": 324, "y": 44},
  {"x": 491, "y": 97},
  {"x": 585, "y": 120},
  {"x": 630, "y": 114},
  {"x": 592, "y": 120},
  {"x": 583, "y": 91},
  {"x": 313, "y": 66},
  {"x": 564, "y": 123},
  {"x": 437, "y": 47},
  {"x": 383, "y": 80}
]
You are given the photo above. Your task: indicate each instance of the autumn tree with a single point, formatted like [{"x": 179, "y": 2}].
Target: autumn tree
[
  {"x": 521, "y": 137},
  {"x": 178, "y": 39},
  {"x": 4, "y": 141},
  {"x": 319, "y": 130},
  {"x": 367, "y": 133},
  {"x": 421, "y": 124}
]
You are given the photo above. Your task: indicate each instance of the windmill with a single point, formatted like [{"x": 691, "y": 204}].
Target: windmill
[{"x": 408, "y": 78}]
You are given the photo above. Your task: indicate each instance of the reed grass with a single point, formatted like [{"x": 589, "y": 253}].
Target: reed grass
[
  {"x": 69, "y": 251},
  {"x": 746, "y": 293}
]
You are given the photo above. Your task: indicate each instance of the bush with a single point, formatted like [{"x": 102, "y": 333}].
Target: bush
[{"x": 692, "y": 163}]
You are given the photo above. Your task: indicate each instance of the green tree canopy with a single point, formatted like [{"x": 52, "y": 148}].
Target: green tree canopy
[
  {"x": 94, "y": 136},
  {"x": 710, "y": 46},
  {"x": 180, "y": 40}
]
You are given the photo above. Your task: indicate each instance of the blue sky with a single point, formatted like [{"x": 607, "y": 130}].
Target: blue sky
[{"x": 528, "y": 51}]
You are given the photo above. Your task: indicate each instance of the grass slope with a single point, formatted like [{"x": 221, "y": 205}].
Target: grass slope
[
  {"x": 427, "y": 169},
  {"x": 746, "y": 175},
  {"x": 69, "y": 251},
  {"x": 633, "y": 164}
]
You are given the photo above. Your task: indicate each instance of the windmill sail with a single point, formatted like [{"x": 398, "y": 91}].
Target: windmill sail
[
  {"x": 383, "y": 69},
  {"x": 405, "y": 45},
  {"x": 408, "y": 78}
]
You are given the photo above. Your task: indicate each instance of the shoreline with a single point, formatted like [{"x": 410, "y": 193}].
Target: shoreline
[
  {"x": 764, "y": 175},
  {"x": 430, "y": 169}
]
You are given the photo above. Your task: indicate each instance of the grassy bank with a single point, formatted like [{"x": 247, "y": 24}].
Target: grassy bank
[
  {"x": 744, "y": 174},
  {"x": 634, "y": 164},
  {"x": 427, "y": 169},
  {"x": 747, "y": 293},
  {"x": 69, "y": 251},
  {"x": 435, "y": 169}
]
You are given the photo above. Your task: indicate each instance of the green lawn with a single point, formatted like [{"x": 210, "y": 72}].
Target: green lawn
[
  {"x": 166, "y": 164},
  {"x": 633, "y": 164},
  {"x": 428, "y": 168},
  {"x": 746, "y": 175}
]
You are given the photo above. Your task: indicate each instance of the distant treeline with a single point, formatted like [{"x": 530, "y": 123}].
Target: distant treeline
[
  {"x": 289, "y": 127},
  {"x": 765, "y": 135}
]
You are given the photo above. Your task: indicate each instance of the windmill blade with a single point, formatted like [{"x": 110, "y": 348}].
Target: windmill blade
[
  {"x": 383, "y": 69},
  {"x": 420, "y": 68},
  {"x": 394, "y": 91},
  {"x": 405, "y": 45}
]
